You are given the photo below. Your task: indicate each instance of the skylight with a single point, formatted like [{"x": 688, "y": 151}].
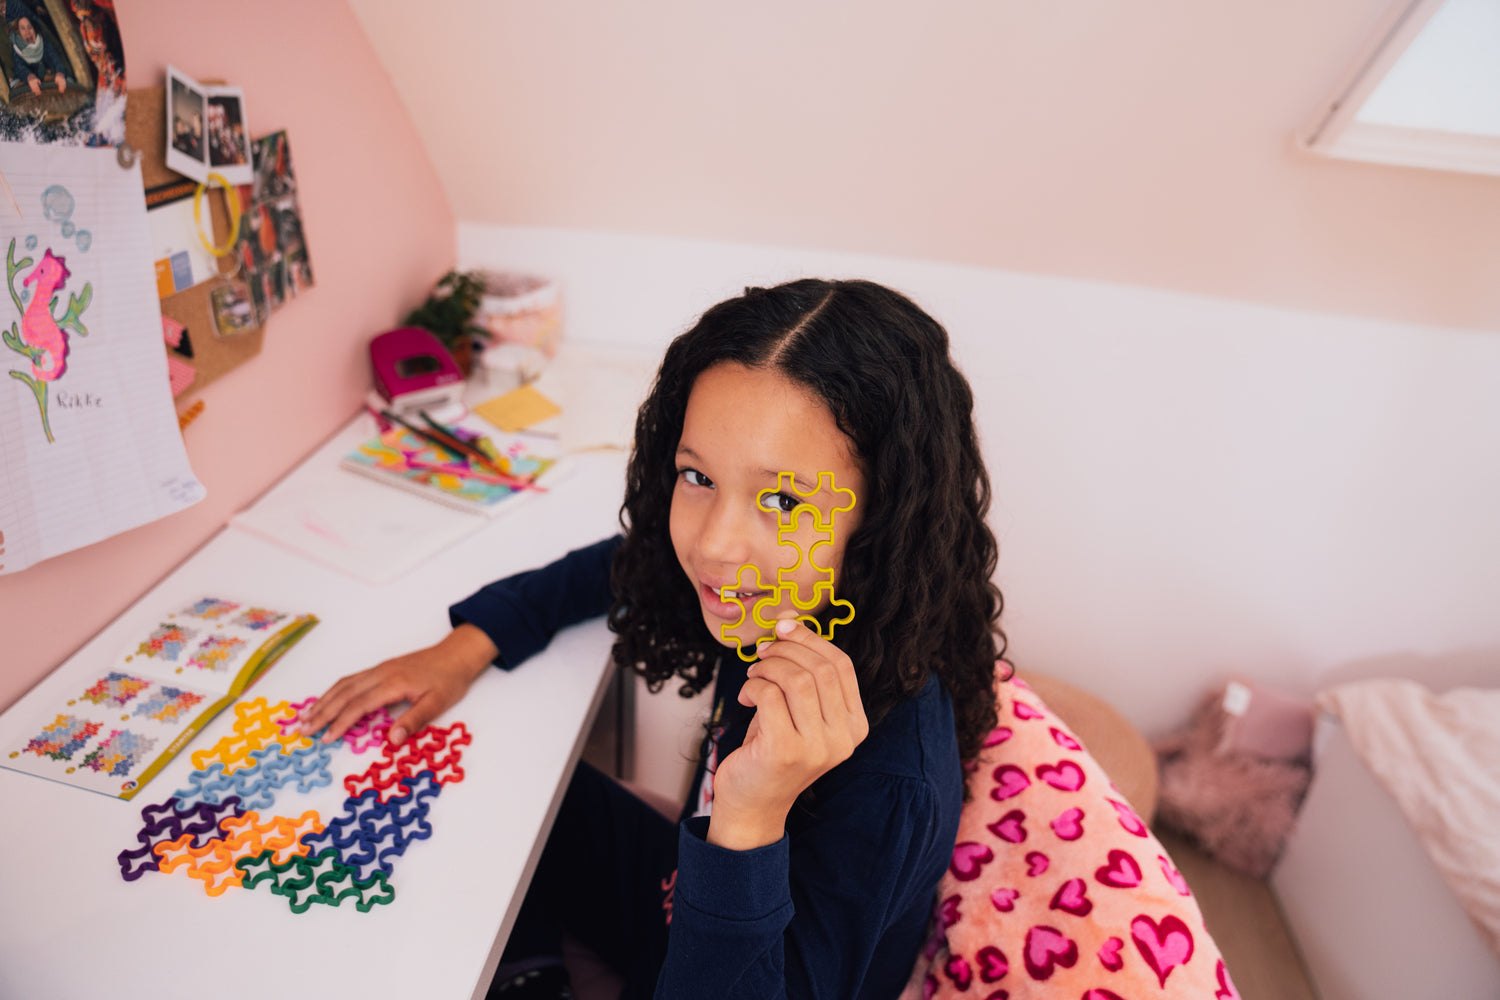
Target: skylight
[{"x": 1425, "y": 91}]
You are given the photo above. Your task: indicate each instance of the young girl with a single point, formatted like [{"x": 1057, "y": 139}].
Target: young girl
[{"x": 827, "y": 799}]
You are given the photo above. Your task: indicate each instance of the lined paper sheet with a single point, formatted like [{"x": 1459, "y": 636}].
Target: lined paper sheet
[{"x": 89, "y": 444}]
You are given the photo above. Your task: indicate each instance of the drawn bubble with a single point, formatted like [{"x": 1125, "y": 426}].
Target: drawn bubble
[
  {"x": 57, "y": 203},
  {"x": 67, "y": 229},
  {"x": 31, "y": 242},
  {"x": 84, "y": 240}
]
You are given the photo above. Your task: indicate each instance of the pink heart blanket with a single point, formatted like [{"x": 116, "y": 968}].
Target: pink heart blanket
[{"x": 1057, "y": 888}]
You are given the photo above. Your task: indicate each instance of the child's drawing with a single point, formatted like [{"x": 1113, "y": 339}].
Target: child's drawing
[{"x": 41, "y": 337}]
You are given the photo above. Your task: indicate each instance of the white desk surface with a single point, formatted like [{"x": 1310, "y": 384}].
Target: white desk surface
[{"x": 71, "y": 927}]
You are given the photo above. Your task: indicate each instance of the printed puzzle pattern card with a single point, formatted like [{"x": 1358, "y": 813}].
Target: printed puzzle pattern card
[{"x": 122, "y": 724}]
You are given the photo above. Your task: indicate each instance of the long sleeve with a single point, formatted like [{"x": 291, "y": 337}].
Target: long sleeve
[
  {"x": 837, "y": 908},
  {"x": 836, "y": 911},
  {"x": 522, "y": 613}
]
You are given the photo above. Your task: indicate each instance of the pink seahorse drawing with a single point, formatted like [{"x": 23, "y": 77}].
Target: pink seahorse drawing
[
  {"x": 38, "y": 329},
  {"x": 40, "y": 337}
]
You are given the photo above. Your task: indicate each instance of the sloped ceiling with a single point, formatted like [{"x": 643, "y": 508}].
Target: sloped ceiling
[{"x": 1149, "y": 143}]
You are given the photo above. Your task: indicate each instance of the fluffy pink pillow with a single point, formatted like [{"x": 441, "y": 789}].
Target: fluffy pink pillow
[{"x": 1057, "y": 889}]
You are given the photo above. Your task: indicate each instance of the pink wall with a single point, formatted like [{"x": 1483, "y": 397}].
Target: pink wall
[
  {"x": 379, "y": 230},
  {"x": 1148, "y": 143}
]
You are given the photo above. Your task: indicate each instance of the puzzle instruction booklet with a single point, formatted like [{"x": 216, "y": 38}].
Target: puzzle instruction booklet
[{"x": 119, "y": 726}]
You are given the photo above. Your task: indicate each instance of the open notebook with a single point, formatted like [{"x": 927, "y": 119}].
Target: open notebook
[{"x": 120, "y": 726}]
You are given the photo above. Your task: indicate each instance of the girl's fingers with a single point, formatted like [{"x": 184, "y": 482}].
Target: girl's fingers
[
  {"x": 809, "y": 682},
  {"x": 796, "y": 633},
  {"x": 799, "y": 689},
  {"x": 771, "y": 709}
]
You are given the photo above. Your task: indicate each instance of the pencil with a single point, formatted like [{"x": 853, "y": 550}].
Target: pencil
[
  {"x": 484, "y": 477},
  {"x": 448, "y": 443},
  {"x": 474, "y": 454}
]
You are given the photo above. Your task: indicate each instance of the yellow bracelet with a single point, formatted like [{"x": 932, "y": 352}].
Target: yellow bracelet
[{"x": 232, "y": 197}]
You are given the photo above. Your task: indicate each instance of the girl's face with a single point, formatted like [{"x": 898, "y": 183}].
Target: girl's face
[{"x": 742, "y": 427}]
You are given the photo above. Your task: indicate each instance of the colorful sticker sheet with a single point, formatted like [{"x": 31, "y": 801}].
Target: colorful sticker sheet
[
  {"x": 179, "y": 669},
  {"x": 250, "y": 826}
]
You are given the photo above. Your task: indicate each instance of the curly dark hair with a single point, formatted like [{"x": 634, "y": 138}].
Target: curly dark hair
[{"x": 919, "y": 567}]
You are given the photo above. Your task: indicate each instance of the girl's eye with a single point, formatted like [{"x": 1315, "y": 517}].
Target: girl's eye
[
  {"x": 695, "y": 478},
  {"x": 784, "y": 503}
]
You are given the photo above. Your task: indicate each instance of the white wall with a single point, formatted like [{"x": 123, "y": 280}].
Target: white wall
[{"x": 1187, "y": 488}]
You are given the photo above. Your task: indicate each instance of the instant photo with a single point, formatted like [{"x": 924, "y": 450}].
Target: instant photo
[{"x": 206, "y": 131}]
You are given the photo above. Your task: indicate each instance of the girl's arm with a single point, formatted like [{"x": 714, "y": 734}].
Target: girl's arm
[
  {"x": 757, "y": 914},
  {"x": 504, "y": 624},
  {"x": 836, "y": 912}
]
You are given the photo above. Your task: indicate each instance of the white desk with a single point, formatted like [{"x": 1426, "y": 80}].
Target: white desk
[{"x": 71, "y": 927}]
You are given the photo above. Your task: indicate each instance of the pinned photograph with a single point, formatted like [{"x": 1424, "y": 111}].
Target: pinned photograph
[
  {"x": 228, "y": 145},
  {"x": 64, "y": 73},
  {"x": 206, "y": 131},
  {"x": 272, "y": 249},
  {"x": 233, "y": 311},
  {"x": 186, "y": 109}
]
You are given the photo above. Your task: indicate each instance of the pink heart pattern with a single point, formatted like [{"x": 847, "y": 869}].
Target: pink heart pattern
[
  {"x": 993, "y": 965},
  {"x": 1226, "y": 990},
  {"x": 1046, "y": 949},
  {"x": 1164, "y": 945},
  {"x": 1129, "y": 820},
  {"x": 1065, "y": 741},
  {"x": 957, "y": 969},
  {"x": 1010, "y": 781},
  {"x": 1174, "y": 877},
  {"x": 1064, "y": 775},
  {"x": 968, "y": 859},
  {"x": 946, "y": 913},
  {"x": 1072, "y": 897},
  {"x": 998, "y": 736},
  {"x": 1122, "y": 871},
  {"x": 1011, "y": 827},
  {"x": 1068, "y": 825},
  {"x": 1053, "y": 915}
]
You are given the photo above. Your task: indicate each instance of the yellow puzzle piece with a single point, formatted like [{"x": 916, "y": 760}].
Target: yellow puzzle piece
[{"x": 786, "y": 588}]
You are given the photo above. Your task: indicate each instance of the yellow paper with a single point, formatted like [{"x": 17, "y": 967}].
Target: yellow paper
[{"x": 518, "y": 409}]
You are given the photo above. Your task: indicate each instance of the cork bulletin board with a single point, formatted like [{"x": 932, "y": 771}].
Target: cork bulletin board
[{"x": 213, "y": 355}]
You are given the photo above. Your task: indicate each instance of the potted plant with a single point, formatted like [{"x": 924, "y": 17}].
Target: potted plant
[{"x": 448, "y": 313}]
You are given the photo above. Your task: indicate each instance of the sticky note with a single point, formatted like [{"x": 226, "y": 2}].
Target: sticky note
[
  {"x": 172, "y": 331},
  {"x": 165, "y": 284},
  {"x": 518, "y": 409},
  {"x": 180, "y": 374}
]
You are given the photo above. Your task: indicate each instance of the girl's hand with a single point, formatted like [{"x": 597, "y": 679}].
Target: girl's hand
[
  {"x": 808, "y": 719},
  {"x": 432, "y": 679}
]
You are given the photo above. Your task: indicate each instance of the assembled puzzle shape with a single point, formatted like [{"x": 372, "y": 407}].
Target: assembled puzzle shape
[
  {"x": 212, "y": 832},
  {"x": 787, "y": 588}
]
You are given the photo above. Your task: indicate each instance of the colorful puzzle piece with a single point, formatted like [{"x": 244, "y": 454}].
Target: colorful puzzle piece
[
  {"x": 167, "y": 642},
  {"x": 210, "y": 833},
  {"x": 218, "y": 652},
  {"x": 166, "y": 703},
  {"x": 259, "y": 619},
  {"x": 115, "y": 689},
  {"x": 787, "y": 589},
  {"x": 255, "y": 727},
  {"x": 121, "y": 751},
  {"x": 210, "y": 608},
  {"x": 64, "y": 737}
]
